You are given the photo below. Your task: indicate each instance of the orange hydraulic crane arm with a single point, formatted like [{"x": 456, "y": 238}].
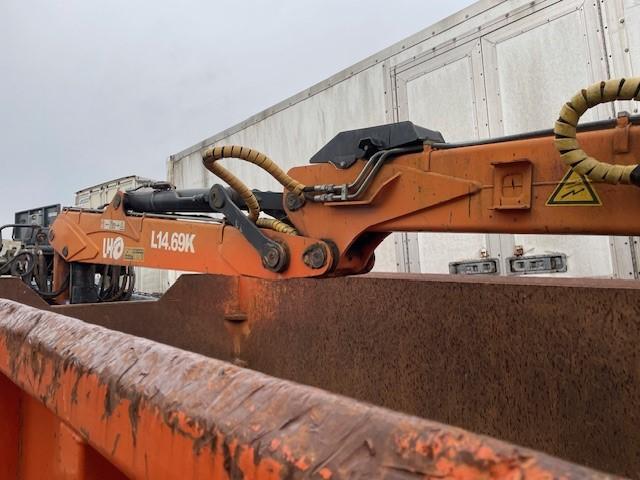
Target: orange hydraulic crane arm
[
  {"x": 515, "y": 186},
  {"x": 367, "y": 183},
  {"x": 114, "y": 237}
]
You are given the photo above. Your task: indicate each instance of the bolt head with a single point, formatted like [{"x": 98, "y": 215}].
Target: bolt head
[
  {"x": 276, "y": 257},
  {"x": 294, "y": 202},
  {"x": 315, "y": 256},
  {"x": 218, "y": 201},
  {"x": 271, "y": 258}
]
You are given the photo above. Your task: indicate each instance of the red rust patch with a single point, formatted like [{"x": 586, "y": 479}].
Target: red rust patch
[{"x": 178, "y": 414}]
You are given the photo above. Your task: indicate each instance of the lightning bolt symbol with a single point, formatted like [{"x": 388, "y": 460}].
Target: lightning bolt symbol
[
  {"x": 572, "y": 192},
  {"x": 573, "y": 189}
]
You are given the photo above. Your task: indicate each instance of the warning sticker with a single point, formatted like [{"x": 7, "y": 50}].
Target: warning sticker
[
  {"x": 574, "y": 190},
  {"x": 134, "y": 253}
]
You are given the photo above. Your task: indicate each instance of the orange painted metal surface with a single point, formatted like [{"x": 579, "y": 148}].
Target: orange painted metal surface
[
  {"x": 196, "y": 246},
  {"x": 498, "y": 187},
  {"x": 494, "y": 187},
  {"x": 94, "y": 403}
]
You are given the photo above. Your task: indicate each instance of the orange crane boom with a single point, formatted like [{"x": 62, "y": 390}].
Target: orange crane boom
[
  {"x": 546, "y": 363},
  {"x": 362, "y": 186},
  {"x": 516, "y": 185}
]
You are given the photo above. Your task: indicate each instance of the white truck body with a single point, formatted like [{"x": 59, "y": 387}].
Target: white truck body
[{"x": 497, "y": 67}]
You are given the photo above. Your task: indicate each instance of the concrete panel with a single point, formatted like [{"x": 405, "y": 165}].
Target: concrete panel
[
  {"x": 632, "y": 18},
  {"x": 457, "y": 29},
  {"x": 386, "y": 260},
  {"x": 292, "y": 136},
  {"x": 471, "y": 23}
]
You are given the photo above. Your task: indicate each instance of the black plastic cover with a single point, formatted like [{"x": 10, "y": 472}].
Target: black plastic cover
[{"x": 346, "y": 147}]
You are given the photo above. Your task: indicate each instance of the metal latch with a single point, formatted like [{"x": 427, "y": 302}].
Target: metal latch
[
  {"x": 527, "y": 265},
  {"x": 621, "y": 133},
  {"x": 486, "y": 266}
]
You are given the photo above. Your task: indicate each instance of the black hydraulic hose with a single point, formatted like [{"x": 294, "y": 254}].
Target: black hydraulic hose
[
  {"x": 163, "y": 201},
  {"x": 377, "y": 165},
  {"x": 131, "y": 278},
  {"x": 55, "y": 293},
  {"x": 341, "y": 193},
  {"x": 17, "y": 225},
  {"x": 22, "y": 253},
  {"x": 194, "y": 200}
]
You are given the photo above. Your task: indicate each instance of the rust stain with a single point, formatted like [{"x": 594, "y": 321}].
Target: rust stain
[
  {"x": 170, "y": 412},
  {"x": 325, "y": 473}
]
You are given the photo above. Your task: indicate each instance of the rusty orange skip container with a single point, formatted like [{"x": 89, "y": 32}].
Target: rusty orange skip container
[{"x": 245, "y": 378}]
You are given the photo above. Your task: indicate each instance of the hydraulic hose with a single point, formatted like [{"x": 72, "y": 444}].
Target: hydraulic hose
[
  {"x": 276, "y": 225},
  {"x": 12, "y": 266},
  {"x": 565, "y": 131},
  {"x": 212, "y": 154}
]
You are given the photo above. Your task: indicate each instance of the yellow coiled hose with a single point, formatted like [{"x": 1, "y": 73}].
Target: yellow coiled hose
[
  {"x": 276, "y": 225},
  {"x": 565, "y": 129},
  {"x": 211, "y": 155}
]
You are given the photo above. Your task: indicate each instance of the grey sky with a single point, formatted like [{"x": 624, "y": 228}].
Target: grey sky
[{"x": 94, "y": 90}]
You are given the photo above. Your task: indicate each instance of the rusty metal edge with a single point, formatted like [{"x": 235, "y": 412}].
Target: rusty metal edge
[
  {"x": 236, "y": 421},
  {"x": 576, "y": 282}
]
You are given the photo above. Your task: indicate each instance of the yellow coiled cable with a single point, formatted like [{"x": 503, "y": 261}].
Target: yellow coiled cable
[
  {"x": 276, "y": 225},
  {"x": 565, "y": 129},
  {"x": 211, "y": 155}
]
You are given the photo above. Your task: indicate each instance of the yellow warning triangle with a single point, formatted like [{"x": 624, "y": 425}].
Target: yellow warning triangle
[{"x": 574, "y": 190}]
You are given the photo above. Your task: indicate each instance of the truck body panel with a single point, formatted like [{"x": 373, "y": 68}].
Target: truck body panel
[{"x": 496, "y": 67}]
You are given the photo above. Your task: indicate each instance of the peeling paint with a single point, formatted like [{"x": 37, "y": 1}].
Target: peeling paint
[{"x": 215, "y": 417}]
